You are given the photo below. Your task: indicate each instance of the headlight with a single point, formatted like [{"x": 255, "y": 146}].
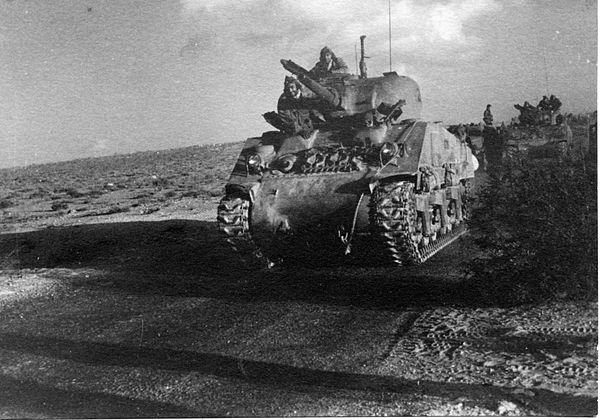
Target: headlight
[
  {"x": 387, "y": 152},
  {"x": 254, "y": 163}
]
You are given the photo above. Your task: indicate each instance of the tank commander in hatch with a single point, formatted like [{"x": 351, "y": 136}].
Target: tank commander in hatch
[
  {"x": 555, "y": 103},
  {"x": 294, "y": 110},
  {"x": 328, "y": 64}
]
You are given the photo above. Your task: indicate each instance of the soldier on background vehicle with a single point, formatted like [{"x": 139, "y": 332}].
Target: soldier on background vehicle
[
  {"x": 461, "y": 131},
  {"x": 555, "y": 103},
  {"x": 544, "y": 111},
  {"x": 328, "y": 64},
  {"x": 488, "y": 119},
  {"x": 544, "y": 104}
]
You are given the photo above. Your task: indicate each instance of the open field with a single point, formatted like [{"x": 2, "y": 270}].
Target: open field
[
  {"x": 189, "y": 179},
  {"x": 118, "y": 298}
]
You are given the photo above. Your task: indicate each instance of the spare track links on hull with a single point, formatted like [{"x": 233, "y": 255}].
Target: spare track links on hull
[
  {"x": 394, "y": 222},
  {"x": 234, "y": 222}
]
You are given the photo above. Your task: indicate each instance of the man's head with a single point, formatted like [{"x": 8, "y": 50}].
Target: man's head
[
  {"x": 291, "y": 87},
  {"x": 326, "y": 55},
  {"x": 488, "y": 106}
]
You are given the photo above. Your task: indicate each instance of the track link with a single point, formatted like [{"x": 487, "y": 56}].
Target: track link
[
  {"x": 233, "y": 217},
  {"x": 393, "y": 218}
]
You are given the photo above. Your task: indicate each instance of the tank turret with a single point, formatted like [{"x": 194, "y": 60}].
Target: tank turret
[{"x": 350, "y": 95}]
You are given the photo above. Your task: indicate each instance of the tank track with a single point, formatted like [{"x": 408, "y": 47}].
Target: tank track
[
  {"x": 393, "y": 218},
  {"x": 233, "y": 217}
]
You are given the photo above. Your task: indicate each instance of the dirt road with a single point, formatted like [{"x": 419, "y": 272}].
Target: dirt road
[{"x": 129, "y": 318}]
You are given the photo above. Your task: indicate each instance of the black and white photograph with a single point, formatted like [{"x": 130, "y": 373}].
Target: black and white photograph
[{"x": 276, "y": 208}]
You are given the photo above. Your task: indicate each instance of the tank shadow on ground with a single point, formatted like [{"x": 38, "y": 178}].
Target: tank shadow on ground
[
  {"x": 190, "y": 258},
  {"x": 23, "y": 396},
  {"x": 283, "y": 376}
]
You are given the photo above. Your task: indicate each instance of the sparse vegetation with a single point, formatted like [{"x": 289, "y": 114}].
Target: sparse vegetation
[
  {"x": 59, "y": 205},
  {"x": 117, "y": 209},
  {"x": 192, "y": 194},
  {"x": 122, "y": 182},
  {"x": 537, "y": 224},
  {"x": 170, "y": 194},
  {"x": 6, "y": 203},
  {"x": 74, "y": 192}
]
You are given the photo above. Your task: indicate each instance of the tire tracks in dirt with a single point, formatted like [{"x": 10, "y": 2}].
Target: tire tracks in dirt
[{"x": 409, "y": 319}]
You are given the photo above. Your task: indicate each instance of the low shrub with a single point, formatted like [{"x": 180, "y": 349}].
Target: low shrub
[
  {"x": 95, "y": 192},
  {"x": 536, "y": 223},
  {"x": 40, "y": 193},
  {"x": 6, "y": 203},
  {"x": 192, "y": 194},
  {"x": 160, "y": 182},
  {"x": 117, "y": 209},
  {"x": 59, "y": 205},
  {"x": 216, "y": 192},
  {"x": 170, "y": 194},
  {"x": 73, "y": 192}
]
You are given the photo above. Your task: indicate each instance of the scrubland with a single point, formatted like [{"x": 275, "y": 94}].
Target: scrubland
[{"x": 118, "y": 298}]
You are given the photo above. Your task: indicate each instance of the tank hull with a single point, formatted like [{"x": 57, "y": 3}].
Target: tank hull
[
  {"x": 300, "y": 203},
  {"x": 331, "y": 201},
  {"x": 536, "y": 142}
]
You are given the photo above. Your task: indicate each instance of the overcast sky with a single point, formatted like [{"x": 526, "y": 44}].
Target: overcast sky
[{"x": 90, "y": 78}]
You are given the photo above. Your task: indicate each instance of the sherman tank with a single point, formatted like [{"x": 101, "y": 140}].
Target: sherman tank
[
  {"x": 535, "y": 134},
  {"x": 539, "y": 142},
  {"x": 368, "y": 179}
]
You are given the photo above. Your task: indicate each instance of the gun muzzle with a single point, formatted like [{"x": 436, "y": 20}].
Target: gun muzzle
[{"x": 294, "y": 68}]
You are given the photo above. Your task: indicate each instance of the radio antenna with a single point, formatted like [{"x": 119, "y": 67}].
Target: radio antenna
[
  {"x": 545, "y": 66},
  {"x": 390, "y": 30},
  {"x": 356, "y": 57}
]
